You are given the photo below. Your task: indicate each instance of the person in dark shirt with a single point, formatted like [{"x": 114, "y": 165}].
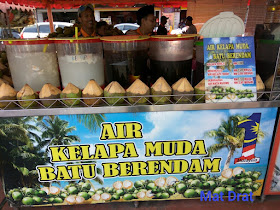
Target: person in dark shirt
[
  {"x": 161, "y": 28},
  {"x": 146, "y": 20}
]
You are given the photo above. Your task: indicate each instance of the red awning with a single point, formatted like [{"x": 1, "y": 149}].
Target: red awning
[{"x": 67, "y": 4}]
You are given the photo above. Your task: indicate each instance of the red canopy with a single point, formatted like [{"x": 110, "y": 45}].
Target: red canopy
[{"x": 67, "y": 4}]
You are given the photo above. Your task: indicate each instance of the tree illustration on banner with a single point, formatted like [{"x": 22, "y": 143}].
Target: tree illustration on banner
[
  {"x": 19, "y": 151},
  {"x": 90, "y": 121},
  {"x": 230, "y": 136},
  {"x": 56, "y": 132}
]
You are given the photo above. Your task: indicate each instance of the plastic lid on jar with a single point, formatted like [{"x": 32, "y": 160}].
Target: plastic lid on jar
[
  {"x": 74, "y": 40},
  {"x": 178, "y": 37},
  {"x": 27, "y": 41},
  {"x": 125, "y": 38},
  {"x": 226, "y": 24}
]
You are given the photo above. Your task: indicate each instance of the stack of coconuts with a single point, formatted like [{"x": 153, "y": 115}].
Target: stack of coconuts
[
  {"x": 137, "y": 93},
  {"x": 114, "y": 94}
]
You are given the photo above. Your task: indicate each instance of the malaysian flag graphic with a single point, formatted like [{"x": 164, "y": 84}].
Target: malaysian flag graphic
[{"x": 251, "y": 126}]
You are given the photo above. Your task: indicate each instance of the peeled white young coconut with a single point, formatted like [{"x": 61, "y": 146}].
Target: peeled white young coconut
[
  {"x": 160, "y": 182},
  {"x": 141, "y": 195},
  {"x": 118, "y": 185},
  {"x": 96, "y": 197},
  {"x": 238, "y": 170},
  {"x": 210, "y": 96},
  {"x": 54, "y": 190},
  {"x": 171, "y": 180},
  {"x": 149, "y": 194},
  {"x": 227, "y": 173},
  {"x": 127, "y": 184},
  {"x": 106, "y": 196},
  {"x": 80, "y": 200},
  {"x": 71, "y": 199}
]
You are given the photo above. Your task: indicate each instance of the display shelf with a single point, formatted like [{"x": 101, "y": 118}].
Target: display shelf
[{"x": 59, "y": 107}]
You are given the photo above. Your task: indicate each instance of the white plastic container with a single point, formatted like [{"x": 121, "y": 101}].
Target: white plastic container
[
  {"x": 32, "y": 62},
  {"x": 226, "y": 24},
  {"x": 80, "y": 61}
]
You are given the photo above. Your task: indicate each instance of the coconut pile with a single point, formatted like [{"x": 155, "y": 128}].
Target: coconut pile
[{"x": 138, "y": 93}]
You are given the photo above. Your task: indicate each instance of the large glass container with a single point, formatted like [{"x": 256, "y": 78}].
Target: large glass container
[
  {"x": 32, "y": 62},
  {"x": 126, "y": 58},
  {"x": 80, "y": 61},
  {"x": 171, "y": 57}
]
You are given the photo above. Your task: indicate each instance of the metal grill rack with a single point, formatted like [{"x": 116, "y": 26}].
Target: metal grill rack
[{"x": 100, "y": 105}]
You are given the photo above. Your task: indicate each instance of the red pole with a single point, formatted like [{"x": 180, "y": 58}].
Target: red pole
[
  {"x": 247, "y": 13},
  {"x": 50, "y": 17}
]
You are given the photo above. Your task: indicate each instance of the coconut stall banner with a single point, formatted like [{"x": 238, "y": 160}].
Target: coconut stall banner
[
  {"x": 230, "y": 69},
  {"x": 120, "y": 157}
]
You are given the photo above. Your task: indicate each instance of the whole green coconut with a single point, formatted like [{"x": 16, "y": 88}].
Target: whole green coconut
[
  {"x": 49, "y": 91},
  {"x": 182, "y": 86},
  {"x": 161, "y": 87},
  {"x": 112, "y": 90},
  {"x": 71, "y": 91},
  {"x": 200, "y": 89},
  {"x": 27, "y": 93},
  {"x": 137, "y": 88}
]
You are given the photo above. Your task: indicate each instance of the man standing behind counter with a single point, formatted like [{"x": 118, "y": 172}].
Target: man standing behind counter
[
  {"x": 161, "y": 28},
  {"x": 87, "y": 20},
  {"x": 192, "y": 28},
  {"x": 146, "y": 20}
]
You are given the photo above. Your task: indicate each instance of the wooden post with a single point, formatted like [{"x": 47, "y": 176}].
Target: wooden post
[{"x": 50, "y": 17}]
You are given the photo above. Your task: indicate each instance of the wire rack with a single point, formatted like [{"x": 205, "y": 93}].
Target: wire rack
[{"x": 147, "y": 100}]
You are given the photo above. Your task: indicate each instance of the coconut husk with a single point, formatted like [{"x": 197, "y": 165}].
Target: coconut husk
[
  {"x": 8, "y": 79},
  {"x": 260, "y": 84},
  {"x": 200, "y": 89},
  {"x": 161, "y": 87},
  {"x": 71, "y": 91},
  {"x": 7, "y": 93},
  {"x": 49, "y": 91},
  {"x": 182, "y": 86},
  {"x": 137, "y": 88},
  {"x": 269, "y": 83},
  {"x": 112, "y": 90},
  {"x": 27, "y": 93},
  {"x": 3, "y": 81},
  {"x": 92, "y": 90},
  {"x": 2, "y": 66}
]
